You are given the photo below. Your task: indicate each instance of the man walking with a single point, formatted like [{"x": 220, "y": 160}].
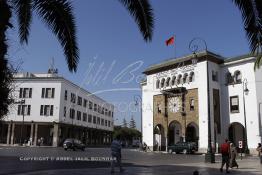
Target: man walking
[
  {"x": 116, "y": 153},
  {"x": 225, "y": 150}
]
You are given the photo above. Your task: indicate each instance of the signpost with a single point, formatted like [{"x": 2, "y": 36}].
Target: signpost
[{"x": 240, "y": 146}]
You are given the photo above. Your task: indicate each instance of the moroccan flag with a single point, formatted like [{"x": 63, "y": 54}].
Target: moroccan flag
[{"x": 170, "y": 41}]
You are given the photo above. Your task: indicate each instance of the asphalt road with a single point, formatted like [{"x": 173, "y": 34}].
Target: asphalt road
[{"x": 22, "y": 160}]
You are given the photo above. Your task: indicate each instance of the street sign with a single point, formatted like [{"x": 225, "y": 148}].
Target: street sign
[{"x": 240, "y": 144}]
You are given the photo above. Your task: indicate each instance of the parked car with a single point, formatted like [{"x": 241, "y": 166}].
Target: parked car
[
  {"x": 73, "y": 144},
  {"x": 184, "y": 147}
]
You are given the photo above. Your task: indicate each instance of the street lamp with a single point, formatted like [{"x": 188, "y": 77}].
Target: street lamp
[
  {"x": 21, "y": 102},
  {"x": 136, "y": 99},
  {"x": 245, "y": 92}
]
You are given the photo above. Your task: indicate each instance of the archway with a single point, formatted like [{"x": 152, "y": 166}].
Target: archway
[
  {"x": 174, "y": 132},
  {"x": 192, "y": 133},
  {"x": 159, "y": 138},
  {"x": 236, "y": 133}
]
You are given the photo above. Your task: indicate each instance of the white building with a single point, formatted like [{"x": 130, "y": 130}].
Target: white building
[
  {"x": 176, "y": 102},
  {"x": 55, "y": 109}
]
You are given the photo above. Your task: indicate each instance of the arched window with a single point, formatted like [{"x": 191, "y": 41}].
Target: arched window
[
  {"x": 162, "y": 82},
  {"x": 157, "y": 84},
  {"x": 191, "y": 77},
  {"x": 237, "y": 76},
  {"x": 229, "y": 78},
  {"x": 179, "y": 79},
  {"x": 173, "y": 80},
  {"x": 185, "y": 80},
  {"x": 167, "y": 81}
]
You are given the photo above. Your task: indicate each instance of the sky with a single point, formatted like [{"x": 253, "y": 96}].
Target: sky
[{"x": 113, "y": 54}]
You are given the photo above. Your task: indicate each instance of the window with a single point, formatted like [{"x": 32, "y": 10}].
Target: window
[
  {"x": 89, "y": 118},
  {"x": 99, "y": 109},
  {"x": 109, "y": 123},
  {"x": 94, "y": 119},
  {"x": 48, "y": 92},
  {"x": 109, "y": 113},
  {"x": 24, "y": 109},
  {"x": 72, "y": 113},
  {"x": 102, "y": 122},
  {"x": 229, "y": 78},
  {"x": 237, "y": 76},
  {"x": 98, "y": 120},
  {"x": 46, "y": 110},
  {"x": 84, "y": 117},
  {"x": 103, "y": 110},
  {"x": 157, "y": 84},
  {"x": 167, "y": 81},
  {"x": 192, "y": 104},
  {"x": 78, "y": 115},
  {"x": 64, "y": 111},
  {"x": 214, "y": 75},
  {"x": 79, "y": 101},
  {"x": 185, "y": 80},
  {"x": 106, "y": 111},
  {"x": 105, "y": 122},
  {"x": 95, "y": 107},
  {"x": 25, "y": 93},
  {"x": 162, "y": 82},
  {"x": 173, "y": 82},
  {"x": 112, "y": 114},
  {"x": 73, "y": 98},
  {"x": 90, "y": 105},
  {"x": 234, "y": 104},
  {"x": 158, "y": 108},
  {"x": 85, "y": 103},
  {"x": 179, "y": 79},
  {"x": 191, "y": 77},
  {"x": 65, "y": 95}
]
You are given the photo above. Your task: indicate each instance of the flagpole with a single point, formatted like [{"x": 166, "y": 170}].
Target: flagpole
[{"x": 174, "y": 44}]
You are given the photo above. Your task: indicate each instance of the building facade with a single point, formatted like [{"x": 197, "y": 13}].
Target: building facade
[
  {"x": 49, "y": 108},
  {"x": 184, "y": 97}
]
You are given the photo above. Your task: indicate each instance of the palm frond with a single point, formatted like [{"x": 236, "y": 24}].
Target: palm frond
[
  {"x": 23, "y": 9},
  {"x": 58, "y": 16},
  {"x": 142, "y": 13}
]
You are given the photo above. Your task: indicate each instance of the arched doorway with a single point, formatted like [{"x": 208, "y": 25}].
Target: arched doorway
[
  {"x": 159, "y": 138},
  {"x": 236, "y": 133},
  {"x": 174, "y": 132},
  {"x": 192, "y": 133}
]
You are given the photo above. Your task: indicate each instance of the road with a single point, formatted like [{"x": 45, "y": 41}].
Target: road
[{"x": 35, "y": 160}]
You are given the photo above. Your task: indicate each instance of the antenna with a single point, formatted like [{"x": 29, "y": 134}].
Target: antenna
[{"x": 52, "y": 69}]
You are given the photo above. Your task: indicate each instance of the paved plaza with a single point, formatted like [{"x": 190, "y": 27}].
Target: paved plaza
[{"x": 37, "y": 161}]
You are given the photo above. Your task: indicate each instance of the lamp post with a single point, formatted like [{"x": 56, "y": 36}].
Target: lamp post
[
  {"x": 21, "y": 102},
  {"x": 245, "y": 92},
  {"x": 136, "y": 99}
]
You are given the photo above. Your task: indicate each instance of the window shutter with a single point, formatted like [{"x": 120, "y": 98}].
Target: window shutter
[
  {"x": 30, "y": 92},
  {"x": 43, "y": 92},
  {"x": 41, "y": 110},
  {"x": 53, "y": 92},
  {"x": 21, "y": 93},
  {"x": 234, "y": 101},
  {"x": 51, "y": 110}
]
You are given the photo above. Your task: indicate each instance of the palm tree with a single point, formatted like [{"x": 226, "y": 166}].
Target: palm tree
[
  {"x": 251, "y": 11},
  {"x": 59, "y": 18}
]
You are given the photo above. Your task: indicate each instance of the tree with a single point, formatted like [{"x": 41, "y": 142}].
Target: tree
[
  {"x": 251, "y": 11},
  {"x": 124, "y": 123},
  {"x": 132, "y": 123},
  {"x": 59, "y": 18}
]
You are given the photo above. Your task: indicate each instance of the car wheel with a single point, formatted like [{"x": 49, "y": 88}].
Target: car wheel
[
  {"x": 83, "y": 149},
  {"x": 170, "y": 151},
  {"x": 74, "y": 149},
  {"x": 65, "y": 149},
  {"x": 184, "y": 151}
]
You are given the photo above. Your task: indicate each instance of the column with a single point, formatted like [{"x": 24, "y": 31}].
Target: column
[
  {"x": 12, "y": 134},
  {"x": 8, "y": 133},
  {"x": 31, "y": 134},
  {"x": 55, "y": 135},
  {"x": 36, "y": 130}
]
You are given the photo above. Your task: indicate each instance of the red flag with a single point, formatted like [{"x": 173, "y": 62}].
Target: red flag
[{"x": 170, "y": 41}]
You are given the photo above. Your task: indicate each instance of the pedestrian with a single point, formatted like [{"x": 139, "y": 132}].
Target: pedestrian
[
  {"x": 196, "y": 173},
  {"x": 116, "y": 153},
  {"x": 225, "y": 150},
  {"x": 233, "y": 155},
  {"x": 259, "y": 150}
]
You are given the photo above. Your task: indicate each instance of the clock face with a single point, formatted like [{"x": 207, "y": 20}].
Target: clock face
[{"x": 174, "y": 104}]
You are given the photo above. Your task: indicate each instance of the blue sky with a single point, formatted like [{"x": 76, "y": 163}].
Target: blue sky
[{"x": 110, "y": 41}]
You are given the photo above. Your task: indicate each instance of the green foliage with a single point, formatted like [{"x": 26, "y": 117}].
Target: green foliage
[{"x": 125, "y": 133}]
